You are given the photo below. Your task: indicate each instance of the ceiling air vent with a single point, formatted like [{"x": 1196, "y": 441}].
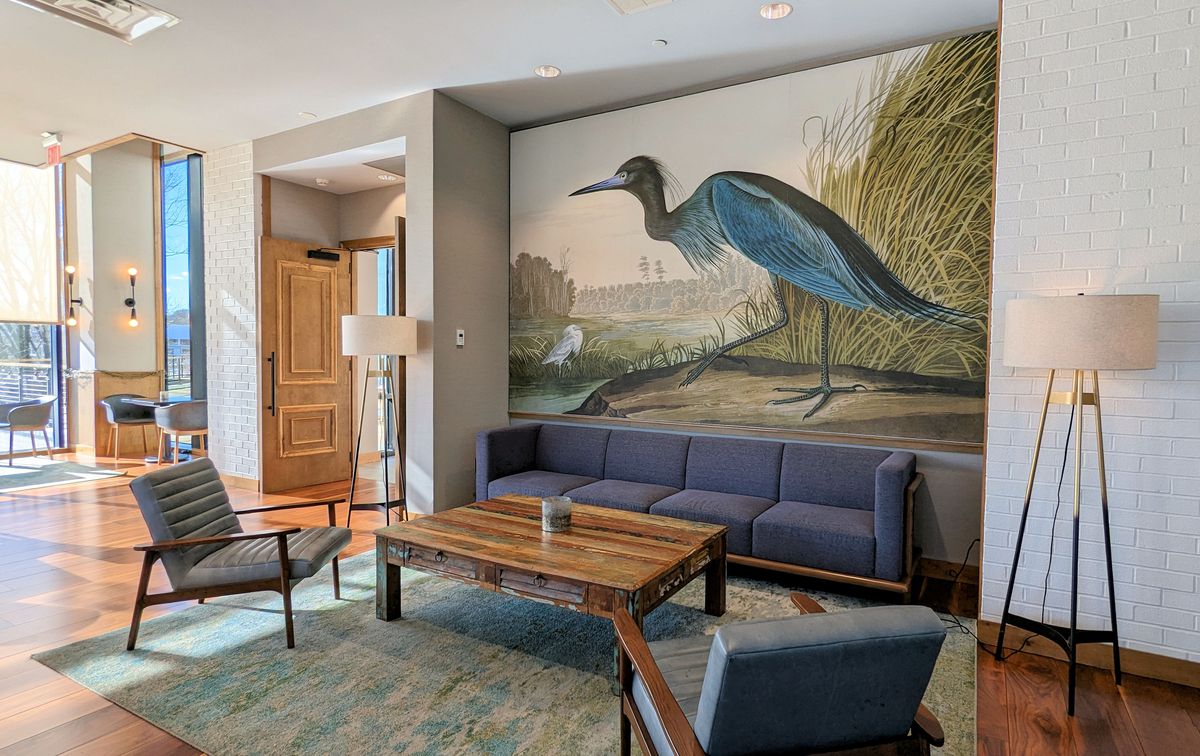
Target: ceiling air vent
[
  {"x": 629, "y": 7},
  {"x": 124, "y": 19}
]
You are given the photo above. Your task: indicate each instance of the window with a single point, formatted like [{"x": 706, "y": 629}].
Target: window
[
  {"x": 183, "y": 277},
  {"x": 30, "y": 243},
  {"x": 385, "y": 304}
]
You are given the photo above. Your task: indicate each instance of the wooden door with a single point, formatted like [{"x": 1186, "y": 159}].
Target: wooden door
[{"x": 306, "y": 419}]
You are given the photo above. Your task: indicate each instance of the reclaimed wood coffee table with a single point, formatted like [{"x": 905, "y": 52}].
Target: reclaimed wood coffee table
[{"x": 608, "y": 557}]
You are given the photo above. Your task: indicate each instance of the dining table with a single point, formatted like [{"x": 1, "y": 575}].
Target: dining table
[{"x": 161, "y": 401}]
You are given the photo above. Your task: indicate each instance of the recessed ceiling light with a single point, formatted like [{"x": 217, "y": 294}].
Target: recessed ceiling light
[
  {"x": 387, "y": 177},
  {"x": 775, "y": 11},
  {"x": 547, "y": 72},
  {"x": 322, "y": 181},
  {"x": 307, "y": 115},
  {"x": 659, "y": 43}
]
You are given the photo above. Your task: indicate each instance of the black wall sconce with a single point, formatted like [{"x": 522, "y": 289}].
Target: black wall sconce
[
  {"x": 72, "y": 300},
  {"x": 131, "y": 300}
]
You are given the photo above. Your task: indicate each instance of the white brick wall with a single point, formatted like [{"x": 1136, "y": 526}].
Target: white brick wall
[
  {"x": 1098, "y": 190},
  {"x": 230, "y": 273}
]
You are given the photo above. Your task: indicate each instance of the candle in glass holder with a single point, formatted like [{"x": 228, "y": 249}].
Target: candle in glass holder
[{"x": 556, "y": 513}]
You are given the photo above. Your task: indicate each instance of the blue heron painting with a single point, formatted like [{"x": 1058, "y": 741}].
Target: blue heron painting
[{"x": 792, "y": 236}]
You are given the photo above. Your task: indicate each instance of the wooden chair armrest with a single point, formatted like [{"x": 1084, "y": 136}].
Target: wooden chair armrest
[
  {"x": 291, "y": 505},
  {"x": 679, "y": 733},
  {"x": 926, "y": 725},
  {"x": 806, "y": 605},
  {"x": 184, "y": 543}
]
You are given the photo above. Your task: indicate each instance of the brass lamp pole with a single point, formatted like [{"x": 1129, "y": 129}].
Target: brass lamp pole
[{"x": 1084, "y": 335}]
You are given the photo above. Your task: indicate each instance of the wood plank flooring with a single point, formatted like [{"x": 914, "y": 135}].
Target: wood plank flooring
[
  {"x": 1022, "y": 709},
  {"x": 67, "y": 572}
]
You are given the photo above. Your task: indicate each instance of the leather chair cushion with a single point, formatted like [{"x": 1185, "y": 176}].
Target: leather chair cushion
[
  {"x": 258, "y": 559},
  {"x": 682, "y": 663}
]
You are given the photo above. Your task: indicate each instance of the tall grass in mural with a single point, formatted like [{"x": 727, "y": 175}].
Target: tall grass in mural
[{"x": 908, "y": 164}]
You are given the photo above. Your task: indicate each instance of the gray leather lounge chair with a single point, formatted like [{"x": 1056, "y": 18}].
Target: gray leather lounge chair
[
  {"x": 820, "y": 683},
  {"x": 205, "y": 551}
]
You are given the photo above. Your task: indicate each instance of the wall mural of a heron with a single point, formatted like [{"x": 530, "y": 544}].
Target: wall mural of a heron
[{"x": 827, "y": 273}]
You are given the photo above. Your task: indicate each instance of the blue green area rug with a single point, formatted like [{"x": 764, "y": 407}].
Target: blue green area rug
[
  {"x": 40, "y": 472},
  {"x": 466, "y": 671}
]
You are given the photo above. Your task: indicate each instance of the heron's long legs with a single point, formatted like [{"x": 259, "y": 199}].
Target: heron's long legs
[
  {"x": 824, "y": 390},
  {"x": 724, "y": 348}
]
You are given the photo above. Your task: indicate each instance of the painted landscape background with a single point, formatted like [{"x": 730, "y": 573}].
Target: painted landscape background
[{"x": 900, "y": 146}]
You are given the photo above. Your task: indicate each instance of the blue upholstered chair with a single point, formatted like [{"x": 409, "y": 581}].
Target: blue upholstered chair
[
  {"x": 206, "y": 553},
  {"x": 120, "y": 412},
  {"x": 818, "y": 683},
  {"x": 31, "y": 415}
]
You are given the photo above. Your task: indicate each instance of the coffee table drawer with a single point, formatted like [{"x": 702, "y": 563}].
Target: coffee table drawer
[
  {"x": 538, "y": 586},
  {"x": 432, "y": 560}
]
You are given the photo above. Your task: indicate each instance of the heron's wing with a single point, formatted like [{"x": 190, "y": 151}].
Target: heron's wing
[
  {"x": 768, "y": 231},
  {"x": 561, "y": 351},
  {"x": 804, "y": 242}
]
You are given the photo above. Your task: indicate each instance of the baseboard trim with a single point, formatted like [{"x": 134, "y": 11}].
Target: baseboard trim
[
  {"x": 1133, "y": 661},
  {"x": 236, "y": 481}
]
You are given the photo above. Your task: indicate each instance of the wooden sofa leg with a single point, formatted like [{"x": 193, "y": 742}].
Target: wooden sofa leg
[{"x": 139, "y": 603}]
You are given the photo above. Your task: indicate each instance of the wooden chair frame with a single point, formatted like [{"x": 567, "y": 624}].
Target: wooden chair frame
[
  {"x": 283, "y": 584},
  {"x": 633, "y": 655},
  {"x": 114, "y": 437}
]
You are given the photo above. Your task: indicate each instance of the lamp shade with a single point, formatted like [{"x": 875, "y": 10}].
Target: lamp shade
[
  {"x": 378, "y": 334},
  {"x": 1094, "y": 332}
]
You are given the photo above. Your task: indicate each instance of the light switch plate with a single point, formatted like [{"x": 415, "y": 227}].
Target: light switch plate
[{"x": 460, "y": 337}]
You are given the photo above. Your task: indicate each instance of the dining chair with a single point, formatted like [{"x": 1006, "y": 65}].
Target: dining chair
[
  {"x": 182, "y": 419},
  {"x": 31, "y": 415},
  {"x": 120, "y": 412}
]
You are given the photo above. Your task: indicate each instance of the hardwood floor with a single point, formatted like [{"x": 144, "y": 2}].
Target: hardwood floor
[
  {"x": 67, "y": 572},
  {"x": 1022, "y": 709}
]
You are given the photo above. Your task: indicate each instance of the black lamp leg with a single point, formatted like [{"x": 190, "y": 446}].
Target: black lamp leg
[{"x": 362, "y": 416}]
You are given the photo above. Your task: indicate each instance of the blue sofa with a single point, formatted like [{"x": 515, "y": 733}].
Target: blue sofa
[{"x": 833, "y": 512}]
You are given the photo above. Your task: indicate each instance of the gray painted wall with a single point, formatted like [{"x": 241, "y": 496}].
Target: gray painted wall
[{"x": 304, "y": 214}]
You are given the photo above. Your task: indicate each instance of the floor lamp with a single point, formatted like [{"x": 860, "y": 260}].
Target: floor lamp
[
  {"x": 382, "y": 338},
  {"x": 1082, "y": 334}
]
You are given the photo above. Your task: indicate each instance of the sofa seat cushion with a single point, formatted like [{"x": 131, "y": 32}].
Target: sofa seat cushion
[
  {"x": 682, "y": 663},
  {"x": 621, "y": 494},
  {"x": 258, "y": 559},
  {"x": 841, "y": 539},
  {"x": 537, "y": 483},
  {"x": 734, "y": 510}
]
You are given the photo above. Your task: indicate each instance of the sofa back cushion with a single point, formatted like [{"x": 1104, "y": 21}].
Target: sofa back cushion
[
  {"x": 735, "y": 466},
  {"x": 571, "y": 450},
  {"x": 836, "y": 476},
  {"x": 656, "y": 458}
]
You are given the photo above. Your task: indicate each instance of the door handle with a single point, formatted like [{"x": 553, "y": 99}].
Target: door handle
[{"x": 271, "y": 406}]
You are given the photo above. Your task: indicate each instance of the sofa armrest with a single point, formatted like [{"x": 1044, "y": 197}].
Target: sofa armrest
[
  {"x": 891, "y": 514},
  {"x": 503, "y": 451}
]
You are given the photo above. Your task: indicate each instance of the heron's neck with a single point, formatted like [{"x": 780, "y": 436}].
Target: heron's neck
[{"x": 659, "y": 221}]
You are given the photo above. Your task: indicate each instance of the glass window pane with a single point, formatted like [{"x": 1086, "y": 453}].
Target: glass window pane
[
  {"x": 28, "y": 370},
  {"x": 176, "y": 286}
]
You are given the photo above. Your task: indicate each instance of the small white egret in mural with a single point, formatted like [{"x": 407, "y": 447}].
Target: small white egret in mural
[{"x": 567, "y": 346}]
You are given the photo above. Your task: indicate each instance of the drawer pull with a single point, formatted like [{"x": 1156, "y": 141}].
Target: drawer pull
[
  {"x": 439, "y": 557},
  {"x": 539, "y": 581}
]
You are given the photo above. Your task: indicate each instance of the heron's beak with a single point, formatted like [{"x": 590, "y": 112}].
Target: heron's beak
[{"x": 616, "y": 182}]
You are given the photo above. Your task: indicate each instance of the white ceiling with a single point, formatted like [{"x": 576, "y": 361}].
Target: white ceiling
[{"x": 233, "y": 70}]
